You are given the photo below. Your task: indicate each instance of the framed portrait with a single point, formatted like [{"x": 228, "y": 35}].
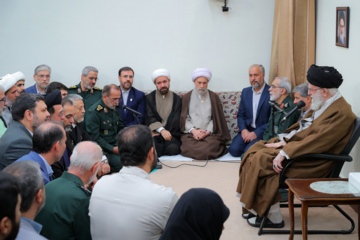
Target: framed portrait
[{"x": 342, "y": 26}]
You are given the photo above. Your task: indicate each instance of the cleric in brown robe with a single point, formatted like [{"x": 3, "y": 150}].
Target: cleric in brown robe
[
  {"x": 325, "y": 130},
  {"x": 202, "y": 121},
  {"x": 163, "y": 109}
]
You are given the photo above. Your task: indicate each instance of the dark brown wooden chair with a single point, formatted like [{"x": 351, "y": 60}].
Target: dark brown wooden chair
[{"x": 339, "y": 161}]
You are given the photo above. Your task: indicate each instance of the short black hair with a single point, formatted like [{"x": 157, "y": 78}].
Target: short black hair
[
  {"x": 55, "y": 85},
  {"x": 46, "y": 135},
  {"x": 9, "y": 191},
  {"x": 134, "y": 144},
  {"x": 25, "y": 102},
  {"x": 126, "y": 69}
]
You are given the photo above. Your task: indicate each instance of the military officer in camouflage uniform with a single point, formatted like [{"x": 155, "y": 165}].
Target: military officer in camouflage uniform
[
  {"x": 280, "y": 90},
  {"x": 66, "y": 211},
  {"x": 86, "y": 88},
  {"x": 103, "y": 122}
]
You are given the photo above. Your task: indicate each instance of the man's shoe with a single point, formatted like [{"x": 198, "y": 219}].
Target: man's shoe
[
  {"x": 256, "y": 221},
  {"x": 247, "y": 215}
]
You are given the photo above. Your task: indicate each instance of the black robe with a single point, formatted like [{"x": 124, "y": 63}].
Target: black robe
[{"x": 162, "y": 146}]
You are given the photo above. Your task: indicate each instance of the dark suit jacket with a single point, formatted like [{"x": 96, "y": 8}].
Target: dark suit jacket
[
  {"x": 136, "y": 101},
  {"x": 31, "y": 89},
  {"x": 33, "y": 156},
  {"x": 245, "y": 113},
  {"x": 15, "y": 143}
]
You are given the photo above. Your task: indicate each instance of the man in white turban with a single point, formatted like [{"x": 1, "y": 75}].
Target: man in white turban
[
  {"x": 163, "y": 109},
  {"x": 9, "y": 84},
  {"x": 202, "y": 120}
]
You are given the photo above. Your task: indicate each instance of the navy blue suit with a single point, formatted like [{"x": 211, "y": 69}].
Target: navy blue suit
[
  {"x": 33, "y": 156},
  {"x": 245, "y": 117},
  {"x": 136, "y": 101},
  {"x": 31, "y": 89}
]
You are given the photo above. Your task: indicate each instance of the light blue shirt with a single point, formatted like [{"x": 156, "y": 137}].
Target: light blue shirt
[
  {"x": 29, "y": 229},
  {"x": 48, "y": 167}
]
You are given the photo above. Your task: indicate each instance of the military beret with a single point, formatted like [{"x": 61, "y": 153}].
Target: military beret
[{"x": 324, "y": 77}]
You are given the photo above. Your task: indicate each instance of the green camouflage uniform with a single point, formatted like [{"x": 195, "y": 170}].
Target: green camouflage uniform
[
  {"x": 286, "y": 105},
  {"x": 103, "y": 125}
]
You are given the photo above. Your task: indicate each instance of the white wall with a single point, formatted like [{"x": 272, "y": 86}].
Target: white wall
[
  {"x": 179, "y": 35},
  {"x": 346, "y": 60}
]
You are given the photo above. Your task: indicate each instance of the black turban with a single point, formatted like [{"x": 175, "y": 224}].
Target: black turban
[
  {"x": 324, "y": 77},
  {"x": 53, "y": 98}
]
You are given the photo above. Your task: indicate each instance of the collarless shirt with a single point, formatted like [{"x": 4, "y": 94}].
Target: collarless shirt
[
  {"x": 125, "y": 96},
  {"x": 130, "y": 205}
]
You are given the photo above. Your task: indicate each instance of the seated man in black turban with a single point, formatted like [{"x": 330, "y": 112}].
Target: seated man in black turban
[{"x": 326, "y": 129}]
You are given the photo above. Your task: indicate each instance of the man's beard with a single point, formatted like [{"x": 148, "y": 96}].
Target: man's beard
[
  {"x": 201, "y": 91},
  {"x": 87, "y": 86},
  {"x": 36, "y": 121},
  {"x": 93, "y": 177},
  {"x": 109, "y": 105},
  {"x": 257, "y": 85},
  {"x": 67, "y": 128},
  {"x": 9, "y": 103},
  {"x": 164, "y": 90},
  {"x": 275, "y": 96},
  {"x": 14, "y": 230},
  {"x": 316, "y": 102},
  {"x": 342, "y": 37}
]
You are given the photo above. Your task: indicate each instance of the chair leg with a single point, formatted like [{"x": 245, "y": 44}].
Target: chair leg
[
  {"x": 350, "y": 230},
  {"x": 263, "y": 222}
]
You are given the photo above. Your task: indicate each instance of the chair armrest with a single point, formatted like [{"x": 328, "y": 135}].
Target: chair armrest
[{"x": 334, "y": 157}]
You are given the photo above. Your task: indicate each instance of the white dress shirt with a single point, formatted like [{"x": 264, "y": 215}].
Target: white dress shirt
[{"x": 129, "y": 206}]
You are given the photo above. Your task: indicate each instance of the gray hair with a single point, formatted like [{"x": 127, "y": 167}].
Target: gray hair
[
  {"x": 30, "y": 178},
  {"x": 87, "y": 69},
  {"x": 285, "y": 83},
  {"x": 302, "y": 89},
  {"x": 2, "y": 89},
  {"x": 42, "y": 67},
  {"x": 262, "y": 69},
  {"x": 72, "y": 98},
  {"x": 107, "y": 88},
  {"x": 85, "y": 155},
  {"x": 332, "y": 91}
]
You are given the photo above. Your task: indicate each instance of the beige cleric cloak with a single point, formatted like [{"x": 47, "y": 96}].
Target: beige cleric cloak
[
  {"x": 329, "y": 133},
  {"x": 214, "y": 145}
]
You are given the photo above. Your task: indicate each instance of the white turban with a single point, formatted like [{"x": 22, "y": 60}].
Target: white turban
[
  {"x": 201, "y": 72},
  {"x": 160, "y": 73},
  {"x": 8, "y": 81},
  {"x": 19, "y": 76}
]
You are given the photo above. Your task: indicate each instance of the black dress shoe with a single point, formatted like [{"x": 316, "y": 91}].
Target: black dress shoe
[
  {"x": 268, "y": 223},
  {"x": 247, "y": 215}
]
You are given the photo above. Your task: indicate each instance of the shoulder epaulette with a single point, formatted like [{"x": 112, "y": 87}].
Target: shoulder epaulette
[
  {"x": 99, "y": 108},
  {"x": 72, "y": 87},
  {"x": 96, "y": 88}
]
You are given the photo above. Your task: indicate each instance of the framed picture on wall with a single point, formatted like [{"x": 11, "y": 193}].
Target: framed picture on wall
[{"x": 342, "y": 26}]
